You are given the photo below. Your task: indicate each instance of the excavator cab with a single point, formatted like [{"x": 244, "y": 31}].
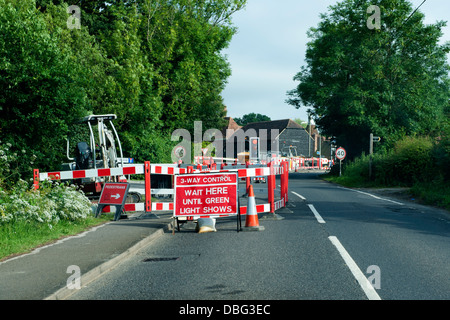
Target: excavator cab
[
  {"x": 101, "y": 151},
  {"x": 83, "y": 157}
]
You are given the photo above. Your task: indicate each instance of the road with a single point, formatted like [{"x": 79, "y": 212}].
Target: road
[{"x": 333, "y": 244}]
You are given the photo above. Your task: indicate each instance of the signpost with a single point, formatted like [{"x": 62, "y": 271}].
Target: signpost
[
  {"x": 206, "y": 195},
  {"x": 372, "y": 140},
  {"x": 340, "y": 154},
  {"x": 113, "y": 194}
]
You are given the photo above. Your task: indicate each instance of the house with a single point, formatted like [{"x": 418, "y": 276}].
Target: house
[
  {"x": 322, "y": 145},
  {"x": 231, "y": 127},
  {"x": 280, "y": 137}
]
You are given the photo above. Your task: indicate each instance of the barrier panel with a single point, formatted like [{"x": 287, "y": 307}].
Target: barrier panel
[
  {"x": 309, "y": 164},
  {"x": 270, "y": 171},
  {"x": 138, "y": 169},
  {"x": 294, "y": 163},
  {"x": 206, "y": 195}
]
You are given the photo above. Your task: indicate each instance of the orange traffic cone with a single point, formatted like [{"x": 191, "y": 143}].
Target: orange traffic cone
[{"x": 251, "y": 221}]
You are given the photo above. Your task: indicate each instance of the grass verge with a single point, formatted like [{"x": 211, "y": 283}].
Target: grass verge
[
  {"x": 435, "y": 194},
  {"x": 23, "y": 236}
]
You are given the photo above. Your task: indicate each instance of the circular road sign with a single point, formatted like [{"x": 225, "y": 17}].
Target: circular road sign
[
  {"x": 179, "y": 152},
  {"x": 341, "y": 153}
]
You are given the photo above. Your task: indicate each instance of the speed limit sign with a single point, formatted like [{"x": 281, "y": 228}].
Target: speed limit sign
[{"x": 341, "y": 153}]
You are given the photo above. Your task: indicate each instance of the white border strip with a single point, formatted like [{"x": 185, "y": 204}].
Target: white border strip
[
  {"x": 373, "y": 196},
  {"x": 316, "y": 214},
  {"x": 357, "y": 273},
  {"x": 299, "y": 195}
]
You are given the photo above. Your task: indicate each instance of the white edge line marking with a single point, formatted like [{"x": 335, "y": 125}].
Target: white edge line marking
[
  {"x": 299, "y": 195},
  {"x": 373, "y": 196},
  {"x": 316, "y": 214},
  {"x": 357, "y": 273}
]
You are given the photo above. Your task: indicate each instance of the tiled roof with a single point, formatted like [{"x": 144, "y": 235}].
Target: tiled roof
[{"x": 277, "y": 124}]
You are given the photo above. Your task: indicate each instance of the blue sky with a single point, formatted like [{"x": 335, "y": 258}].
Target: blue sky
[{"x": 269, "y": 49}]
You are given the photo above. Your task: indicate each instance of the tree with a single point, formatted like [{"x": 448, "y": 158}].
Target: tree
[
  {"x": 167, "y": 65},
  {"x": 250, "y": 118},
  {"x": 156, "y": 64},
  {"x": 184, "y": 43},
  {"x": 40, "y": 91},
  {"x": 301, "y": 122},
  {"x": 391, "y": 81}
]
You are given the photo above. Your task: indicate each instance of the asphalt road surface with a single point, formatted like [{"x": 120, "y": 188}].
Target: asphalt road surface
[{"x": 333, "y": 244}]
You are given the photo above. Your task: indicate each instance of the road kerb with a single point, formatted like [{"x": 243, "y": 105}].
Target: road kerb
[{"x": 92, "y": 275}]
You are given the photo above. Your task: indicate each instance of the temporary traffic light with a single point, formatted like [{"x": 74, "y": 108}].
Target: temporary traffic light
[{"x": 254, "y": 148}]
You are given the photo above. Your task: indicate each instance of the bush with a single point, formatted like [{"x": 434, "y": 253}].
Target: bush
[
  {"x": 357, "y": 170},
  {"x": 48, "y": 205},
  {"x": 41, "y": 91},
  {"x": 436, "y": 193},
  {"x": 441, "y": 153},
  {"x": 416, "y": 162},
  {"x": 412, "y": 160}
]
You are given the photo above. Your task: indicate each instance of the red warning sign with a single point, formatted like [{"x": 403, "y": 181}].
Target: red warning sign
[
  {"x": 114, "y": 193},
  {"x": 206, "y": 195}
]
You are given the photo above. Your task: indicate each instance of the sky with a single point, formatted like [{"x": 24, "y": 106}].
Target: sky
[{"x": 269, "y": 49}]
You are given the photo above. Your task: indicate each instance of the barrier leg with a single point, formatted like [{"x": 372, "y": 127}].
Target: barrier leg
[
  {"x": 247, "y": 181},
  {"x": 148, "y": 195},
  {"x": 283, "y": 182},
  {"x": 287, "y": 187},
  {"x": 270, "y": 190},
  {"x": 271, "y": 183},
  {"x": 148, "y": 190},
  {"x": 36, "y": 179},
  {"x": 284, "y": 185}
]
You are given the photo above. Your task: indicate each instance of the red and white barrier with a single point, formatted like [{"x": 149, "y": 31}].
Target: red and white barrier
[
  {"x": 147, "y": 169},
  {"x": 138, "y": 207},
  {"x": 91, "y": 173},
  {"x": 279, "y": 204},
  {"x": 309, "y": 164}
]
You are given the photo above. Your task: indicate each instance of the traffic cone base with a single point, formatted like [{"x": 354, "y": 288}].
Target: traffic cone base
[
  {"x": 251, "y": 221},
  {"x": 256, "y": 228}
]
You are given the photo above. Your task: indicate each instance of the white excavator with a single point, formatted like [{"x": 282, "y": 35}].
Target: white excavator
[{"x": 101, "y": 151}]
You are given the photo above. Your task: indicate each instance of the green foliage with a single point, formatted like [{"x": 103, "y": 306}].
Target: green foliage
[
  {"x": 392, "y": 82},
  {"x": 441, "y": 151},
  {"x": 301, "y": 122},
  {"x": 156, "y": 64},
  {"x": 436, "y": 193},
  {"x": 250, "y": 118},
  {"x": 48, "y": 205},
  {"x": 410, "y": 161},
  {"x": 420, "y": 163},
  {"x": 39, "y": 93}
]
